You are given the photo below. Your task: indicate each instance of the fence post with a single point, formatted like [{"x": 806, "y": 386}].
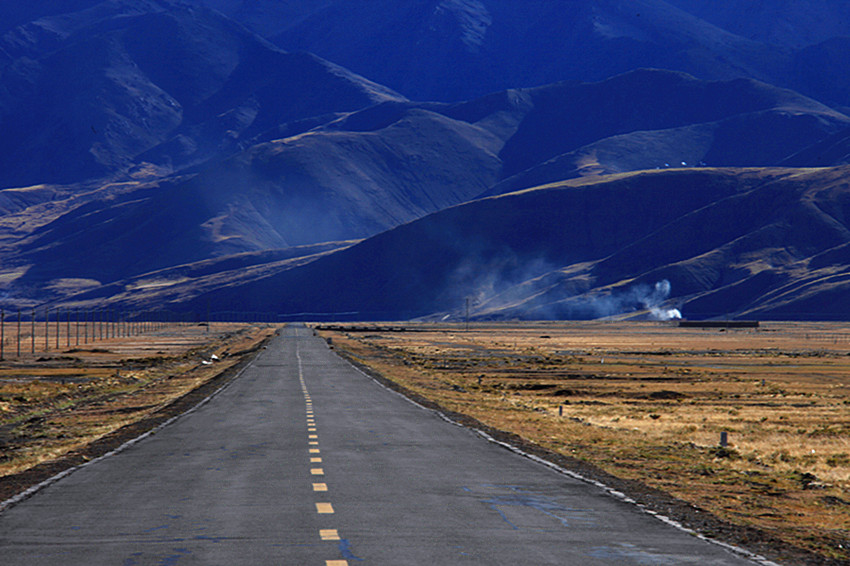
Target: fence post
[
  {"x": 2, "y": 334},
  {"x": 32, "y": 324},
  {"x": 19, "y": 333}
]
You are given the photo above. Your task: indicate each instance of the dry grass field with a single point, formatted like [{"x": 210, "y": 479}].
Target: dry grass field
[
  {"x": 57, "y": 401},
  {"x": 649, "y": 401}
]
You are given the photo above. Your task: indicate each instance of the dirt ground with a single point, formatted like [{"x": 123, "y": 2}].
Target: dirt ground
[
  {"x": 66, "y": 405},
  {"x": 647, "y": 403}
]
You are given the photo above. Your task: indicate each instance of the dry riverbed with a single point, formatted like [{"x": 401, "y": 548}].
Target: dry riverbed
[{"x": 647, "y": 403}]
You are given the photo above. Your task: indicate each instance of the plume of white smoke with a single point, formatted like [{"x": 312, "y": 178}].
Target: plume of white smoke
[
  {"x": 666, "y": 314},
  {"x": 656, "y": 298},
  {"x": 634, "y": 299},
  {"x": 519, "y": 288}
]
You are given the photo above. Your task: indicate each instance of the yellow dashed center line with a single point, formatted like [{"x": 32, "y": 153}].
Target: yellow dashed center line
[{"x": 322, "y": 508}]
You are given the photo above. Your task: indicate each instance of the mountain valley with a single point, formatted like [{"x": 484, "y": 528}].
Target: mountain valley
[{"x": 174, "y": 153}]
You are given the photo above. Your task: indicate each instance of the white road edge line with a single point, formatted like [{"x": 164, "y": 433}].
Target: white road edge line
[
  {"x": 742, "y": 552},
  {"x": 12, "y": 501}
]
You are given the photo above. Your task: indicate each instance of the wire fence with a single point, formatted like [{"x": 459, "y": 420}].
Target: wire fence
[
  {"x": 833, "y": 337},
  {"x": 29, "y": 331}
]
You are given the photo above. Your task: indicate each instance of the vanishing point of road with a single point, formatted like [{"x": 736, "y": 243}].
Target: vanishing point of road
[{"x": 303, "y": 460}]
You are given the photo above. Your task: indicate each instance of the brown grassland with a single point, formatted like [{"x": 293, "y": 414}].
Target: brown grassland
[
  {"x": 649, "y": 401},
  {"x": 57, "y": 402}
]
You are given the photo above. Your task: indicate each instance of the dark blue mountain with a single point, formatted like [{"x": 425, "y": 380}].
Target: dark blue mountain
[
  {"x": 788, "y": 24},
  {"x": 106, "y": 89},
  {"x": 163, "y": 149},
  {"x": 361, "y": 173},
  {"x": 455, "y": 50},
  {"x": 711, "y": 243},
  {"x": 705, "y": 243},
  {"x": 461, "y": 49}
]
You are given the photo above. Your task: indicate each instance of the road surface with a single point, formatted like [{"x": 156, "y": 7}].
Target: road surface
[{"x": 304, "y": 460}]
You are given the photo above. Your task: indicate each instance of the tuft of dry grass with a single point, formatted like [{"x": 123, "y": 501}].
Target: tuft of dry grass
[{"x": 649, "y": 401}]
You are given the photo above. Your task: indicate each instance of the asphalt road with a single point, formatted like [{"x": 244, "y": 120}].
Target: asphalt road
[{"x": 304, "y": 460}]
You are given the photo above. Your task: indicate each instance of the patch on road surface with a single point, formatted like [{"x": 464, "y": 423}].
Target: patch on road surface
[
  {"x": 632, "y": 554},
  {"x": 526, "y": 510}
]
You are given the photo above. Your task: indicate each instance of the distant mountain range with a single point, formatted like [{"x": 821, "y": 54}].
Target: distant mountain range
[
  {"x": 459, "y": 49},
  {"x": 108, "y": 88},
  {"x": 171, "y": 152},
  {"x": 710, "y": 243}
]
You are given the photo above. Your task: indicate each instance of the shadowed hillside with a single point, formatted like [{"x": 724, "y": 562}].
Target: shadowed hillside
[
  {"x": 460, "y": 49},
  {"x": 353, "y": 175},
  {"x": 833, "y": 150},
  {"x": 318, "y": 187},
  {"x": 648, "y": 118},
  {"x": 164, "y": 141},
  {"x": 177, "y": 84},
  {"x": 711, "y": 243},
  {"x": 787, "y": 23}
]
